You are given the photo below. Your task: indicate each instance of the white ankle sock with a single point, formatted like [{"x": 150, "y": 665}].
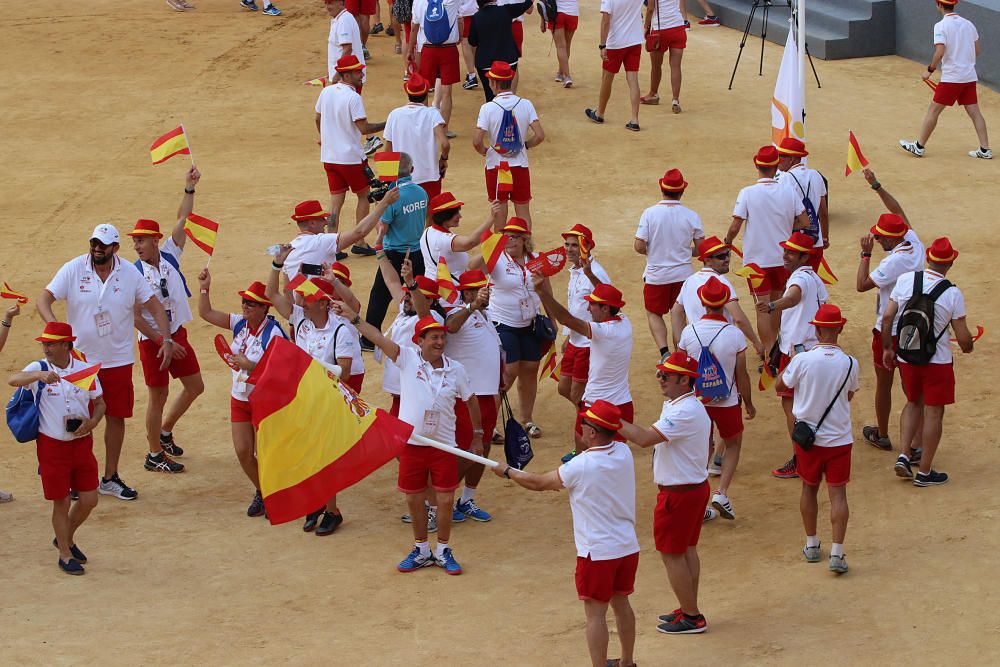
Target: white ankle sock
[
  {"x": 837, "y": 549},
  {"x": 812, "y": 541},
  {"x": 425, "y": 548},
  {"x": 439, "y": 549},
  {"x": 467, "y": 495}
]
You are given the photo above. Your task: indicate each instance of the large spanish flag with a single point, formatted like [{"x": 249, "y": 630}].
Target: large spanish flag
[
  {"x": 492, "y": 246},
  {"x": 202, "y": 232},
  {"x": 315, "y": 437},
  {"x": 170, "y": 144}
]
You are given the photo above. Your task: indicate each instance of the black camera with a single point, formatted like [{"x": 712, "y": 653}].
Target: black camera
[
  {"x": 311, "y": 269},
  {"x": 378, "y": 189},
  {"x": 73, "y": 424}
]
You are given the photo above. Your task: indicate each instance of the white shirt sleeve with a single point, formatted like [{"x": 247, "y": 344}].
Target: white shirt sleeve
[
  {"x": 791, "y": 375},
  {"x": 740, "y": 210},
  {"x": 643, "y": 232},
  {"x": 571, "y": 473},
  {"x": 60, "y": 284},
  {"x": 358, "y": 108},
  {"x": 345, "y": 343}
]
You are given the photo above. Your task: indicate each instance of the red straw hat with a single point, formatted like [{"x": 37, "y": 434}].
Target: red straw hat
[
  {"x": 767, "y": 156},
  {"x": 891, "y": 225},
  {"x": 326, "y": 289},
  {"x": 714, "y": 293},
  {"x": 474, "y": 279},
  {"x": 517, "y": 226},
  {"x": 56, "y": 332},
  {"x": 679, "y": 364},
  {"x": 309, "y": 210},
  {"x": 606, "y": 295},
  {"x": 828, "y": 316},
  {"x": 255, "y": 293},
  {"x": 941, "y": 251},
  {"x": 427, "y": 286},
  {"x": 799, "y": 242},
  {"x": 416, "y": 85},
  {"x": 342, "y": 272},
  {"x": 444, "y": 202},
  {"x": 603, "y": 414},
  {"x": 349, "y": 63},
  {"x": 500, "y": 71},
  {"x": 673, "y": 181},
  {"x": 792, "y": 147},
  {"x": 425, "y": 324},
  {"x": 146, "y": 228},
  {"x": 581, "y": 231},
  {"x": 710, "y": 246}
]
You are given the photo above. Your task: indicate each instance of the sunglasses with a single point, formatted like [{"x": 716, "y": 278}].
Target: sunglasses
[
  {"x": 721, "y": 255},
  {"x": 660, "y": 375},
  {"x": 95, "y": 244},
  {"x": 248, "y": 302}
]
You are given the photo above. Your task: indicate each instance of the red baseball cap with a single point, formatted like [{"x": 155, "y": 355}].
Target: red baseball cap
[
  {"x": 679, "y": 364},
  {"x": 607, "y": 295}
]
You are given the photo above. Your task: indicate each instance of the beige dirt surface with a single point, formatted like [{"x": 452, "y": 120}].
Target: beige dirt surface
[{"x": 182, "y": 576}]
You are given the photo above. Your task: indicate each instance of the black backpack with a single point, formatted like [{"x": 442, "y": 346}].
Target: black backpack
[{"x": 917, "y": 339}]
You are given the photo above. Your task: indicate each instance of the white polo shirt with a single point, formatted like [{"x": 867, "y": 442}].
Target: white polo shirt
[
  {"x": 399, "y": 332},
  {"x": 682, "y": 458},
  {"x": 176, "y": 302},
  {"x": 88, "y": 300},
  {"x": 724, "y": 341},
  {"x": 468, "y": 8},
  {"x": 669, "y": 229},
  {"x": 959, "y": 37},
  {"x": 476, "y": 346},
  {"x": 668, "y": 15},
  {"x": 410, "y": 128},
  {"x": 949, "y": 306},
  {"x": 816, "y": 376},
  {"x": 452, "y": 7},
  {"x": 578, "y": 287},
  {"x": 339, "y": 106},
  {"x": 795, "y": 327},
  {"x": 694, "y": 310},
  {"x": 610, "y": 356},
  {"x": 428, "y": 395},
  {"x": 62, "y": 399},
  {"x": 805, "y": 183},
  {"x": 251, "y": 344},
  {"x": 904, "y": 258},
  {"x": 769, "y": 210},
  {"x": 601, "y": 485},
  {"x": 490, "y": 117},
  {"x": 343, "y": 30},
  {"x": 513, "y": 300},
  {"x": 436, "y": 242},
  {"x": 310, "y": 249},
  {"x": 337, "y": 339},
  {"x": 567, "y": 7},
  {"x": 625, "y": 29}
]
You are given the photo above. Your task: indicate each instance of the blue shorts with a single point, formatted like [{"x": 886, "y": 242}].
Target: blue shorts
[{"x": 519, "y": 343}]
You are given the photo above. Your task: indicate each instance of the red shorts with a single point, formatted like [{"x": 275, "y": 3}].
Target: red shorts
[
  {"x": 416, "y": 462},
  {"x": 342, "y": 176},
  {"x": 663, "y": 40},
  {"x": 659, "y": 299},
  {"x": 178, "y": 368},
  {"x": 603, "y": 579},
  {"x": 678, "y": 516},
  {"x": 440, "y": 62},
  {"x": 575, "y": 363},
  {"x": 775, "y": 279},
  {"x": 466, "y": 24},
  {"x": 877, "y": 349},
  {"x": 394, "y": 409},
  {"x": 728, "y": 420},
  {"x": 517, "y": 28},
  {"x": 630, "y": 56},
  {"x": 949, "y": 93},
  {"x": 432, "y": 188},
  {"x": 832, "y": 462},
  {"x": 627, "y": 410},
  {"x": 66, "y": 465},
  {"x": 463, "y": 425},
  {"x": 118, "y": 393},
  {"x": 781, "y": 369},
  {"x": 522, "y": 185},
  {"x": 365, "y": 7},
  {"x": 355, "y": 382},
  {"x": 488, "y": 417},
  {"x": 239, "y": 411},
  {"x": 565, "y": 22},
  {"x": 934, "y": 384}
]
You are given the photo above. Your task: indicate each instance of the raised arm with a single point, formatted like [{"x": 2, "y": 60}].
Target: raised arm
[
  {"x": 186, "y": 207},
  {"x": 390, "y": 348},
  {"x": 555, "y": 309},
  {"x": 282, "y": 300},
  {"x": 8, "y": 319},
  {"x": 420, "y": 303},
  {"x": 361, "y": 230},
  {"x": 864, "y": 281},
  {"x": 888, "y": 200},
  {"x": 467, "y": 242},
  {"x": 205, "y": 310}
]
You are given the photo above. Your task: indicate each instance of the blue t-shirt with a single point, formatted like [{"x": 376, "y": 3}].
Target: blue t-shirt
[{"x": 405, "y": 217}]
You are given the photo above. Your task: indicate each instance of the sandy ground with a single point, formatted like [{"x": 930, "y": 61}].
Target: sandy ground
[{"x": 182, "y": 575}]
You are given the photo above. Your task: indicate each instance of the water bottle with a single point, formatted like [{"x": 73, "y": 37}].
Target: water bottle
[{"x": 273, "y": 250}]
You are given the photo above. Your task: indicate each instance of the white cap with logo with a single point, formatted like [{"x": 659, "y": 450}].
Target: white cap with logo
[{"x": 106, "y": 234}]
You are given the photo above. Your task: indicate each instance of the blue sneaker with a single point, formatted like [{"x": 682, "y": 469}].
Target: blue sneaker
[
  {"x": 457, "y": 516},
  {"x": 569, "y": 456},
  {"x": 473, "y": 511},
  {"x": 249, "y": 4},
  {"x": 448, "y": 562},
  {"x": 271, "y": 10},
  {"x": 415, "y": 560}
]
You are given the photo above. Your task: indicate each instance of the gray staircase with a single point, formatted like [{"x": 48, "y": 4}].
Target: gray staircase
[{"x": 835, "y": 29}]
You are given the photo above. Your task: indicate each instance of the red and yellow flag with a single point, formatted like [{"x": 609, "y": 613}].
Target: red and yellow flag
[
  {"x": 825, "y": 273},
  {"x": 505, "y": 180},
  {"x": 492, "y": 246},
  {"x": 855, "y": 159},
  {"x": 448, "y": 290},
  {"x": 170, "y": 144},
  {"x": 322, "y": 82},
  {"x": 202, "y": 232},
  {"x": 753, "y": 273},
  {"x": 931, "y": 84},
  {"x": 315, "y": 437},
  {"x": 8, "y": 292},
  {"x": 766, "y": 380},
  {"x": 85, "y": 379},
  {"x": 307, "y": 288},
  {"x": 386, "y": 166},
  {"x": 549, "y": 365}
]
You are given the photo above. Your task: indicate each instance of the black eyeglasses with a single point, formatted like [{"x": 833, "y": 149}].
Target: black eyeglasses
[
  {"x": 660, "y": 375},
  {"x": 163, "y": 288},
  {"x": 248, "y": 302},
  {"x": 721, "y": 255}
]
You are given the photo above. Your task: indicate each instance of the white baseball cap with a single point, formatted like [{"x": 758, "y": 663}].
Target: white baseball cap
[{"x": 106, "y": 234}]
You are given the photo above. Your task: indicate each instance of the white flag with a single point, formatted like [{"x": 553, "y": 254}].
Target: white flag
[{"x": 787, "y": 118}]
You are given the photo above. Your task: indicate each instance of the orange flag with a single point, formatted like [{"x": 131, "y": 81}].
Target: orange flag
[
  {"x": 855, "y": 159},
  {"x": 753, "y": 273},
  {"x": 202, "y": 232},
  {"x": 448, "y": 290},
  {"x": 825, "y": 273},
  {"x": 505, "y": 180},
  {"x": 492, "y": 246},
  {"x": 170, "y": 144},
  {"x": 8, "y": 292},
  {"x": 85, "y": 379}
]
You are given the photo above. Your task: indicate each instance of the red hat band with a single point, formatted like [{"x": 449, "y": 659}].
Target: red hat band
[
  {"x": 604, "y": 414},
  {"x": 56, "y": 332},
  {"x": 606, "y": 295},
  {"x": 828, "y": 316},
  {"x": 673, "y": 181}
]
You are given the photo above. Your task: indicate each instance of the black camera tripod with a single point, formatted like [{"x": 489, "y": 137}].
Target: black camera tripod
[{"x": 766, "y": 5}]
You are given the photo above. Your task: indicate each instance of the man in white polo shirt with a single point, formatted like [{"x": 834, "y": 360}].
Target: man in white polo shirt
[
  {"x": 809, "y": 186},
  {"x": 435, "y": 36},
  {"x": 668, "y": 236},
  {"x": 770, "y": 212},
  {"x": 345, "y": 40},
  {"x": 621, "y": 44},
  {"x": 824, "y": 379},
  {"x": 956, "y": 47},
  {"x": 101, "y": 293},
  {"x": 681, "y": 440},
  {"x": 420, "y": 131},
  {"x": 601, "y": 485}
]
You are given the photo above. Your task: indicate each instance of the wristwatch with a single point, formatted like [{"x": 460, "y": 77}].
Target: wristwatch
[
  {"x": 602, "y": 46},
  {"x": 931, "y": 68},
  {"x": 357, "y": 320},
  {"x": 189, "y": 192},
  {"x": 866, "y": 255}
]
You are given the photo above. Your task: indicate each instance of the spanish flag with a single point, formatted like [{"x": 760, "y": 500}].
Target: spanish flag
[
  {"x": 170, "y": 144},
  {"x": 447, "y": 284},
  {"x": 202, "y": 232},
  {"x": 766, "y": 380},
  {"x": 322, "y": 82},
  {"x": 855, "y": 159},
  {"x": 931, "y": 84},
  {"x": 307, "y": 288},
  {"x": 753, "y": 273},
  {"x": 492, "y": 246},
  {"x": 505, "y": 180},
  {"x": 549, "y": 365},
  {"x": 386, "y": 166},
  {"x": 85, "y": 379},
  {"x": 825, "y": 273},
  {"x": 8, "y": 292},
  {"x": 315, "y": 437}
]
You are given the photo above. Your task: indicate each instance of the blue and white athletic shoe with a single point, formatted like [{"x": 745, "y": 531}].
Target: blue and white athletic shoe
[
  {"x": 415, "y": 560},
  {"x": 448, "y": 562},
  {"x": 457, "y": 516},
  {"x": 249, "y": 4},
  {"x": 472, "y": 510},
  {"x": 271, "y": 10}
]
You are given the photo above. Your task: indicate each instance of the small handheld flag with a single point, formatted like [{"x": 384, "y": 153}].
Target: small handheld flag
[
  {"x": 307, "y": 288},
  {"x": 753, "y": 273},
  {"x": 322, "y": 82},
  {"x": 85, "y": 379},
  {"x": 825, "y": 273},
  {"x": 8, "y": 292},
  {"x": 386, "y": 166},
  {"x": 548, "y": 263},
  {"x": 492, "y": 246},
  {"x": 931, "y": 84},
  {"x": 979, "y": 334},
  {"x": 170, "y": 144},
  {"x": 766, "y": 380},
  {"x": 225, "y": 353},
  {"x": 505, "y": 180},
  {"x": 448, "y": 290},
  {"x": 855, "y": 158},
  {"x": 202, "y": 232},
  {"x": 549, "y": 364}
]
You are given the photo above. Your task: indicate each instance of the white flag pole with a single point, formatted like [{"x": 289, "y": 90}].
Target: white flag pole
[
  {"x": 456, "y": 451},
  {"x": 801, "y": 44}
]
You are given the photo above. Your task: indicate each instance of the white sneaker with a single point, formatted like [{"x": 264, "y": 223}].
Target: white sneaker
[
  {"x": 715, "y": 467},
  {"x": 722, "y": 504},
  {"x": 710, "y": 514},
  {"x": 568, "y": 82},
  {"x": 559, "y": 78},
  {"x": 372, "y": 144},
  {"x": 117, "y": 488},
  {"x": 432, "y": 520},
  {"x": 838, "y": 564},
  {"x": 911, "y": 147},
  {"x": 980, "y": 153}
]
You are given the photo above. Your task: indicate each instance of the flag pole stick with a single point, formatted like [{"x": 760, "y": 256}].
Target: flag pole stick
[
  {"x": 209, "y": 261},
  {"x": 188, "y": 142},
  {"x": 475, "y": 458}
]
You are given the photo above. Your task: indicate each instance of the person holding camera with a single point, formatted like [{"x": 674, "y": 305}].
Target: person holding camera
[
  {"x": 825, "y": 379},
  {"x": 65, "y": 446}
]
